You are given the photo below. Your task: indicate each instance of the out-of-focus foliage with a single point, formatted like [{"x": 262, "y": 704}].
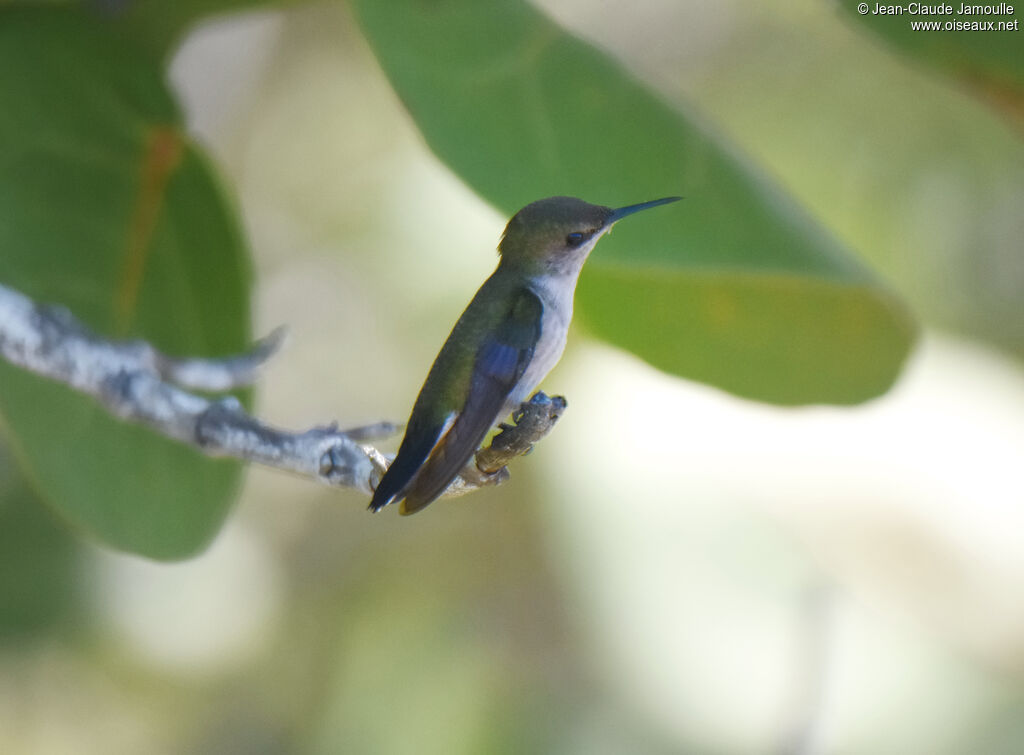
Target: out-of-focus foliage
[
  {"x": 987, "y": 62},
  {"x": 40, "y": 559},
  {"x": 153, "y": 26},
  {"x": 925, "y": 181},
  {"x": 739, "y": 288},
  {"x": 109, "y": 210},
  {"x": 159, "y": 25}
]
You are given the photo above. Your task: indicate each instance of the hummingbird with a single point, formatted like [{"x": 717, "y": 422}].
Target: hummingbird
[{"x": 508, "y": 338}]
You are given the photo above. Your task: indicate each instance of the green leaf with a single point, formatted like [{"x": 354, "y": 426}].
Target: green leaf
[
  {"x": 41, "y": 562},
  {"x": 109, "y": 210},
  {"x": 735, "y": 286},
  {"x": 988, "y": 60},
  {"x": 161, "y": 24},
  {"x": 156, "y": 26}
]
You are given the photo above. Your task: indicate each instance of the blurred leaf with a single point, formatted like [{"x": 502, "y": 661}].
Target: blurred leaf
[
  {"x": 37, "y": 582},
  {"x": 107, "y": 209},
  {"x": 734, "y": 286},
  {"x": 925, "y": 183},
  {"x": 152, "y": 25},
  {"x": 988, "y": 62},
  {"x": 160, "y": 25}
]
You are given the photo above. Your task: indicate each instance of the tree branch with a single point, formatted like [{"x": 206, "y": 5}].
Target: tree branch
[{"x": 136, "y": 382}]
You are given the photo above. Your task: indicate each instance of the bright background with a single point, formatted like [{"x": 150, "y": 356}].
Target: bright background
[{"x": 674, "y": 569}]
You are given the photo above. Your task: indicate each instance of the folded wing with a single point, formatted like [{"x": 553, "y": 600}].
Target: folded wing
[{"x": 500, "y": 363}]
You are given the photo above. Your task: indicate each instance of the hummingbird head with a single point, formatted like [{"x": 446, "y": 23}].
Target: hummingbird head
[{"x": 556, "y": 234}]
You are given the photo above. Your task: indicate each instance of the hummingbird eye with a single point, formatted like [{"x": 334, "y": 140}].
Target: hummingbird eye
[{"x": 574, "y": 239}]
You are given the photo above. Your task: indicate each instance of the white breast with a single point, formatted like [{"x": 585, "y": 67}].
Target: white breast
[
  {"x": 556, "y": 294},
  {"x": 555, "y": 288}
]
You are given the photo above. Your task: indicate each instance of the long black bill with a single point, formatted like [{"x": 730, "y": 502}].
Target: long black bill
[{"x": 622, "y": 212}]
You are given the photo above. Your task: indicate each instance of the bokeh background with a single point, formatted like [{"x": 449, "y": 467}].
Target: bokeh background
[{"x": 674, "y": 569}]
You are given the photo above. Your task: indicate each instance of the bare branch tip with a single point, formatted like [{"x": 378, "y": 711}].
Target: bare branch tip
[
  {"x": 376, "y": 431},
  {"x": 271, "y": 343},
  {"x": 136, "y": 382}
]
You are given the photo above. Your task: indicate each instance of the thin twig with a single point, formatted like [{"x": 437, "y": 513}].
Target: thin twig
[{"x": 136, "y": 382}]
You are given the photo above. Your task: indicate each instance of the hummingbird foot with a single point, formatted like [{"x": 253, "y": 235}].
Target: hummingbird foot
[{"x": 532, "y": 421}]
